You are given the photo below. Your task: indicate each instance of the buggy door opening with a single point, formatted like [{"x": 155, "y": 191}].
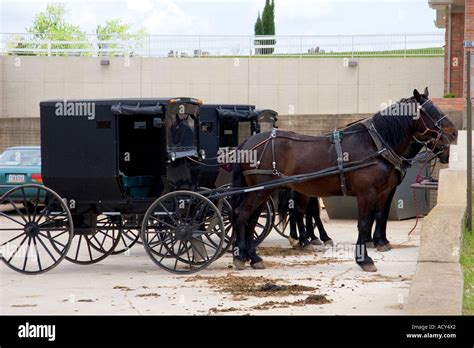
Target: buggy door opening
[{"x": 141, "y": 144}]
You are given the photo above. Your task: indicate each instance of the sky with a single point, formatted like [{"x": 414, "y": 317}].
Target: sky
[{"x": 235, "y": 17}]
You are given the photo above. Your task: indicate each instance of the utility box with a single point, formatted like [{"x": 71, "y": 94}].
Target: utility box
[{"x": 403, "y": 204}]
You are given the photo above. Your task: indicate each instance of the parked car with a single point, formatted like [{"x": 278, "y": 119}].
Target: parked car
[{"x": 20, "y": 165}]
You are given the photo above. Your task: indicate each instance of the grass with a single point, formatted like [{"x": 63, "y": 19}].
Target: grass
[
  {"x": 467, "y": 262},
  {"x": 409, "y": 53}
]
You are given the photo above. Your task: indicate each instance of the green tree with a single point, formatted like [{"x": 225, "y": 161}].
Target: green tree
[
  {"x": 51, "y": 24},
  {"x": 258, "y": 30},
  {"x": 115, "y": 30},
  {"x": 271, "y": 24},
  {"x": 266, "y": 17},
  {"x": 268, "y": 26}
]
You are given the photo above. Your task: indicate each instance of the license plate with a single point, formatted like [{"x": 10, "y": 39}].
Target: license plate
[{"x": 16, "y": 178}]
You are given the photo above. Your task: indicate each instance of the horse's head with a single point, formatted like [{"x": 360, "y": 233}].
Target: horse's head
[
  {"x": 432, "y": 123},
  {"x": 441, "y": 149}
]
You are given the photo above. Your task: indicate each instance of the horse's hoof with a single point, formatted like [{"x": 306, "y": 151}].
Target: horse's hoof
[
  {"x": 239, "y": 264},
  {"x": 368, "y": 267},
  {"x": 383, "y": 248},
  {"x": 370, "y": 245},
  {"x": 319, "y": 248},
  {"x": 316, "y": 242},
  {"x": 389, "y": 246},
  {"x": 294, "y": 242},
  {"x": 308, "y": 247},
  {"x": 258, "y": 265},
  {"x": 329, "y": 242}
]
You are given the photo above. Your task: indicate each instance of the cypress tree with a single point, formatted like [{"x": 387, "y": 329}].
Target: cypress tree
[
  {"x": 258, "y": 30},
  {"x": 271, "y": 24},
  {"x": 266, "y": 18}
]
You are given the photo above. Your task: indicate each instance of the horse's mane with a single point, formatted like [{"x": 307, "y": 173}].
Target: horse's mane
[{"x": 391, "y": 128}]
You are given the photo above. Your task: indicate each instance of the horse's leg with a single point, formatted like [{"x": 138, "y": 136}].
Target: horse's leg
[
  {"x": 240, "y": 254},
  {"x": 292, "y": 217},
  {"x": 301, "y": 203},
  {"x": 255, "y": 261},
  {"x": 248, "y": 211},
  {"x": 365, "y": 205},
  {"x": 293, "y": 229},
  {"x": 381, "y": 216},
  {"x": 316, "y": 212}
]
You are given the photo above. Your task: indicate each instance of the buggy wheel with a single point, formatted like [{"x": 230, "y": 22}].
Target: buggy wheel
[
  {"x": 177, "y": 231},
  {"x": 91, "y": 245},
  {"x": 265, "y": 223},
  {"x": 128, "y": 237},
  {"x": 225, "y": 208},
  {"x": 35, "y": 238},
  {"x": 280, "y": 225}
]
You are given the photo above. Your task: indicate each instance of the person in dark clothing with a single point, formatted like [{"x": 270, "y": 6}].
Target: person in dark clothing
[{"x": 181, "y": 133}]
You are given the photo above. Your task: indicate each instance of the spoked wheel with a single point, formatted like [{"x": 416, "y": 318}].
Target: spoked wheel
[
  {"x": 225, "y": 209},
  {"x": 36, "y": 229},
  {"x": 262, "y": 228},
  {"x": 183, "y": 232},
  {"x": 130, "y": 235},
  {"x": 91, "y": 245},
  {"x": 265, "y": 223},
  {"x": 280, "y": 225}
]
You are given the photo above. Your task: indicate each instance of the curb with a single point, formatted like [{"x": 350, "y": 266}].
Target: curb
[{"x": 437, "y": 287}]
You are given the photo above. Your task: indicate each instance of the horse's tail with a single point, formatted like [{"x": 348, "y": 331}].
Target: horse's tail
[
  {"x": 284, "y": 197},
  {"x": 238, "y": 180}
]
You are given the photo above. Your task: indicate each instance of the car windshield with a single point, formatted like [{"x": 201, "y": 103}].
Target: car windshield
[{"x": 21, "y": 158}]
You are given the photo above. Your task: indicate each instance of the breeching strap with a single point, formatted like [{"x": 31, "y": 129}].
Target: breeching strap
[{"x": 340, "y": 161}]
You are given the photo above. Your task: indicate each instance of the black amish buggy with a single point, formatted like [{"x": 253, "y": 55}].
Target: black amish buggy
[
  {"x": 108, "y": 166},
  {"x": 223, "y": 128},
  {"x": 120, "y": 169}
]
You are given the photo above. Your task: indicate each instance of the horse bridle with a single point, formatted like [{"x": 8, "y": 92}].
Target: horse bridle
[{"x": 429, "y": 108}]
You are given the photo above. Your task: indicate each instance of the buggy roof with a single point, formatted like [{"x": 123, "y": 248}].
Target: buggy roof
[
  {"x": 242, "y": 113},
  {"x": 148, "y": 101}
]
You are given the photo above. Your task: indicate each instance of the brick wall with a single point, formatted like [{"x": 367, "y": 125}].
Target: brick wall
[
  {"x": 468, "y": 32},
  {"x": 19, "y": 132},
  {"x": 457, "y": 53}
]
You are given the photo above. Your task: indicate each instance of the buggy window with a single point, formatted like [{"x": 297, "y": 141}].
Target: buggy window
[{"x": 181, "y": 127}]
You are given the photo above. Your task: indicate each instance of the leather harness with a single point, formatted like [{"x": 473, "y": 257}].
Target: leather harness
[{"x": 383, "y": 149}]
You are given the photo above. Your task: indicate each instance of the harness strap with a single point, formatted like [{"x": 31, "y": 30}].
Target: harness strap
[
  {"x": 261, "y": 172},
  {"x": 274, "y": 171},
  {"x": 385, "y": 150},
  {"x": 340, "y": 161}
]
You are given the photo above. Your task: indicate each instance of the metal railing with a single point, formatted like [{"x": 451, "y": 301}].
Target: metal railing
[{"x": 396, "y": 45}]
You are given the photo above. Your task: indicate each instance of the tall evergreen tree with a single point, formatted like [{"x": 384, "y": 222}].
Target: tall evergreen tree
[
  {"x": 265, "y": 25},
  {"x": 258, "y": 30},
  {"x": 266, "y": 17},
  {"x": 271, "y": 25}
]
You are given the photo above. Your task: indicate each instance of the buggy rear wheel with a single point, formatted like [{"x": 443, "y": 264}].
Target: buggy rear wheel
[
  {"x": 129, "y": 236},
  {"x": 36, "y": 237},
  {"x": 183, "y": 232},
  {"x": 94, "y": 243}
]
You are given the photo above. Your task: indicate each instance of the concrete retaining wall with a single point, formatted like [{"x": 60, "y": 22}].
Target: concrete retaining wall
[{"x": 288, "y": 85}]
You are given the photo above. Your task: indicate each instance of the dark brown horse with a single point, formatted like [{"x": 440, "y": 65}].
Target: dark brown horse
[
  {"x": 383, "y": 139},
  {"x": 435, "y": 150}
]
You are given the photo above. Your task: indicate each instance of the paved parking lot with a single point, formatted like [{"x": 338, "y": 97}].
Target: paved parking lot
[{"x": 319, "y": 282}]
